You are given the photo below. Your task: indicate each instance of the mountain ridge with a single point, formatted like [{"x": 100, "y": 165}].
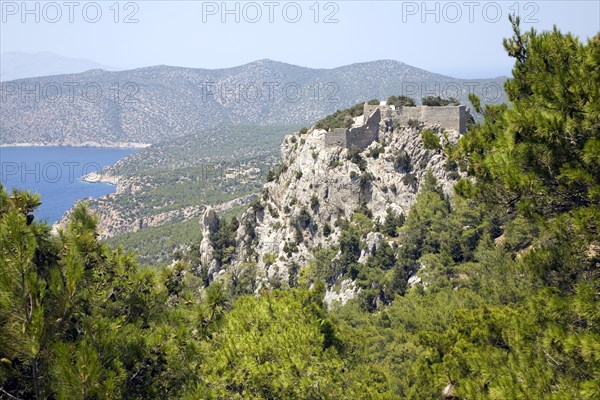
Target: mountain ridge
[{"x": 151, "y": 104}]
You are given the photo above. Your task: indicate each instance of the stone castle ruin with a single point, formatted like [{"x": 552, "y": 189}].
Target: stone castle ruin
[
  {"x": 447, "y": 117},
  {"x": 358, "y": 136}
]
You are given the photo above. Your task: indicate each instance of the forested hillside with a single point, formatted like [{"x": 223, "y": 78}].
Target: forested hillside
[
  {"x": 163, "y": 189},
  {"x": 505, "y": 303}
]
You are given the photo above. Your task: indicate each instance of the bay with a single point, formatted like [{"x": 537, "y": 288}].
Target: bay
[{"x": 55, "y": 173}]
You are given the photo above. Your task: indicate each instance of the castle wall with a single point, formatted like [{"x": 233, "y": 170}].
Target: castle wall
[
  {"x": 385, "y": 111},
  {"x": 369, "y": 109},
  {"x": 363, "y": 136},
  {"x": 463, "y": 117},
  {"x": 448, "y": 117},
  {"x": 336, "y": 138}
]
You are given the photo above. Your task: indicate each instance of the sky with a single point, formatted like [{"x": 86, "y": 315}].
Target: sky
[{"x": 462, "y": 39}]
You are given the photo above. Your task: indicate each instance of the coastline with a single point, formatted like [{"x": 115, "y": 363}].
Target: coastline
[
  {"x": 95, "y": 177},
  {"x": 115, "y": 145},
  {"x": 92, "y": 178}
]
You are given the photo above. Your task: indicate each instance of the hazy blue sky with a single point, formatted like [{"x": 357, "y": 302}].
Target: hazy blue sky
[{"x": 461, "y": 39}]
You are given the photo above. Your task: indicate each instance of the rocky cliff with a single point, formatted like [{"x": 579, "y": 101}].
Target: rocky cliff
[{"x": 316, "y": 187}]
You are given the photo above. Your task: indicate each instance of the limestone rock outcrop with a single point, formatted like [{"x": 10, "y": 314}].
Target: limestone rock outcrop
[
  {"x": 210, "y": 224},
  {"x": 316, "y": 184}
]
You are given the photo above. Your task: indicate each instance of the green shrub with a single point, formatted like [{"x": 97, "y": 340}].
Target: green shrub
[
  {"x": 430, "y": 140},
  {"x": 223, "y": 240},
  {"x": 298, "y": 236},
  {"x": 290, "y": 248},
  {"x": 363, "y": 209},
  {"x": 437, "y": 101},
  {"x": 365, "y": 180},
  {"x": 273, "y": 211},
  {"x": 410, "y": 180},
  {"x": 451, "y": 165},
  {"x": 454, "y": 175},
  {"x": 256, "y": 205},
  {"x": 363, "y": 221},
  {"x": 274, "y": 174},
  {"x": 269, "y": 258},
  {"x": 341, "y": 222},
  {"x": 392, "y": 223},
  {"x": 356, "y": 158},
  {"x": 303, "y": 218},
  {"x": 402, "y": 162},
  {"x": 414, "y": 123},
  {"x": 376, "y": 151},
  {"x": 340, "y": 118},
  {"x": 401, "y": 101},
  {"x": 326, "y": 229},
  {"x": 335, "y": 163}
]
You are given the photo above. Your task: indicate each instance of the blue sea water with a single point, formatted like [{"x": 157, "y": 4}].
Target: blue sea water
[{"x": 55, "y": 172}]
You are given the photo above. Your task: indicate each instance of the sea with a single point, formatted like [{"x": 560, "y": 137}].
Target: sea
[{"x": 55, "y": 173}]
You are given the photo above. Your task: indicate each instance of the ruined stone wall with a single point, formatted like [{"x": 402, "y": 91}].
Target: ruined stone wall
[
  {"x": 449, "y": 117},
  {"x": 370, "y": 109},
  {"x": 362, "y": 136},
  {"x": 336, "y": 138},
  {"x": 463, "y": 118}
]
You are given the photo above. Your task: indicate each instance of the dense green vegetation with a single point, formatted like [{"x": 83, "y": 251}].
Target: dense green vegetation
[
  {"x": 158, "y": 244},
  {"x": 401, "y": 101},
  {"x": 503, "y": 303},
  {"x": 430, "y": 139},
  {"x": 228, "y": 143},
  {"x": 342, "y": 118},
  {"x": 437, "y": 101},
  {"x": 186, "y": 172},
  {"x": 193, "y": 170}
]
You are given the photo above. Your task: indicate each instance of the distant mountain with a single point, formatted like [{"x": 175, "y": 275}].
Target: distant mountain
[
  {"x": 149, "y": 105},
  {"x": 17, "y": 65}
]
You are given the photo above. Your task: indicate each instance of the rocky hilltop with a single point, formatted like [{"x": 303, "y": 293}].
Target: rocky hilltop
[{"x": 317, "y": 189}]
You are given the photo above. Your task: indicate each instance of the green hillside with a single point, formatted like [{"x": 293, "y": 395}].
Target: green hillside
[{"x": 505, "y": 302}]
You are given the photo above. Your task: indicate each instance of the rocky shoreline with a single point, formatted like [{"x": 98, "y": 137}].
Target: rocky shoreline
[{"x": 95, "y": 177}]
